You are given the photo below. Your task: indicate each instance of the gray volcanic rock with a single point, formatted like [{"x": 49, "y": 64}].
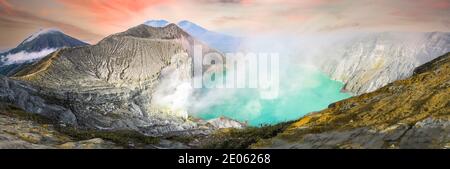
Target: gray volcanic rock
[
  {"x": 17, "y": 132},
  {"x": 27, "y": 97},
  {"x": 110, "y": 85},
  {"x": 369, "y": 61},
  {"x": 223, "y": 122},
  {"x": 428, "y": 133},
  {"x": 419, "y": 136}
]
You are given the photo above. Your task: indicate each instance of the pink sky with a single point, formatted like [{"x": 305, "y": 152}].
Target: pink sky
[{"x": 91, "y": 20}]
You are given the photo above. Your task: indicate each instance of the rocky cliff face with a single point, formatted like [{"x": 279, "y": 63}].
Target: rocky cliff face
[
  {"x": 29, "y": 99},
  {"x": 409, "y": 113},
  {"x": 111, "y": 85},
  {"x": 368, "y": 61}
]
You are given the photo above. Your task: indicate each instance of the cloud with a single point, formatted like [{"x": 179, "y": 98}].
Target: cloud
[
  {"x": 23, "y": 57},
  {"x": 110, "y": 11}
]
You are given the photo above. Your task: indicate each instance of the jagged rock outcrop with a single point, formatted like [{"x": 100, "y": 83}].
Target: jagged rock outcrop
[
  {"x": 110, "y": 85},
  {"x": 368, "y": 61},
  {"x": 223, "y": 122},
  {"x": 28, "y": 98},
  {"x": 409, "y": 113}
]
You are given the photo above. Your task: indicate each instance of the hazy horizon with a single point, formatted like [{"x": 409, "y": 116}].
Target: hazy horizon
[{"x": 92, "y": 20}]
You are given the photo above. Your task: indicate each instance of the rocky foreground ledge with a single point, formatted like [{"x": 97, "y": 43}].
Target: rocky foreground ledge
[
  {"x": 20, "y": 129},
  {"x": 23, "y": 130}
]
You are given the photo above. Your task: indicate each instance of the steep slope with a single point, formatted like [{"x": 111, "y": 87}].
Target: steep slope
[
  {"x": 111, "y": 85},
  {"x": 409, "y": 113},
  {"x": 368, "y": 61},
  {"x": 34, "y": 48}
]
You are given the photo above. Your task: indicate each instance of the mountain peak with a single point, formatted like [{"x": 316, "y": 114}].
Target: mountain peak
[
  {"x": 47, "y": 38},
  {"x": 170, "y": 31},
  {"x": 184, "y": 24},
  {"x": 41, "y": 32}
]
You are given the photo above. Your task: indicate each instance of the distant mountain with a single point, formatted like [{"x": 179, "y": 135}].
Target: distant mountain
[
  {"x": 221, "y": 42},
  {"x": 46, "y": 39},
  {"x": 34, "y": 48}
]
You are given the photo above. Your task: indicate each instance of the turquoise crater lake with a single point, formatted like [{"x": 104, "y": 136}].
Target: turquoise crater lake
[{"x": 301, "y": 91}]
